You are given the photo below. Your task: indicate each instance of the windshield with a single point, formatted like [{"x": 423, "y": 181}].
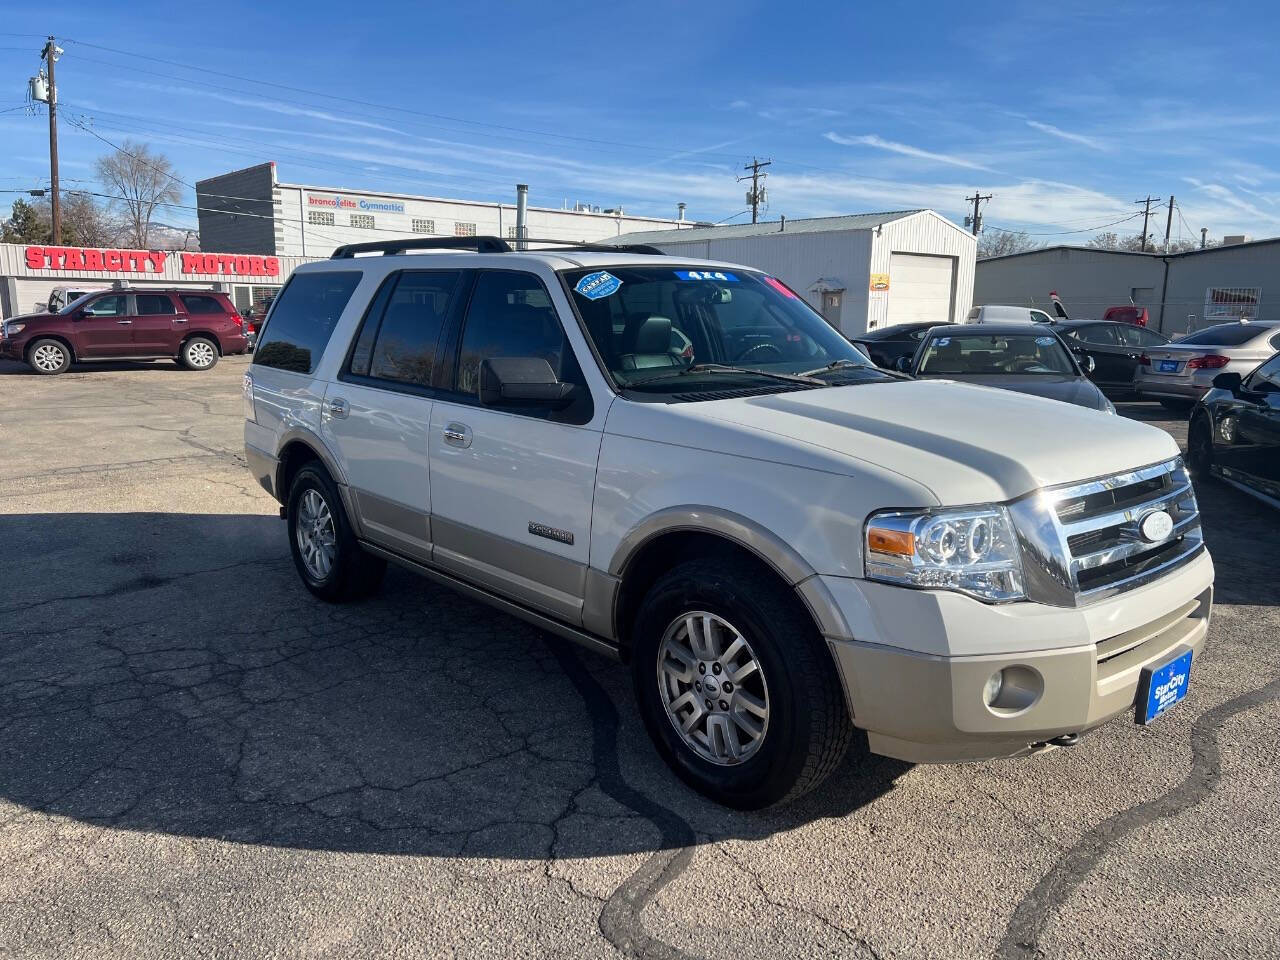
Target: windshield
[
  {"x": 674, "y": 328},
  {"x": 1001, "y": 354}
]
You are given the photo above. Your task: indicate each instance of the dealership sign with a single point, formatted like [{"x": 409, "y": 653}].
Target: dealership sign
[
  {"x": 335, "y": 202},
  {"x": 81, "y": 260}
]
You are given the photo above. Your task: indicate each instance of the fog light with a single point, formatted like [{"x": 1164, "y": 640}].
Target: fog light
[{"x": 995, "y": 683}]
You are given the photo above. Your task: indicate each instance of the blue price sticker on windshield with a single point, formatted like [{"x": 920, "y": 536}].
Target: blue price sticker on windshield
[
  {"x": 597, "y": 286},
  {"x": 1044, "y": 341},
  {"x": 706, "y": 275},
  {"x": 942, "y": 341}
]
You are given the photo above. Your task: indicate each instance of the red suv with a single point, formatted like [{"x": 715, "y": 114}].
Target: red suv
[{"x": 193, "y": 327}]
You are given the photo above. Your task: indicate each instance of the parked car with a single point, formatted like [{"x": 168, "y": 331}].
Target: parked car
[
  {"x": 192, "y": 327},
  {"x": 1181, "y": 372},
  {"x": 1234, "y": 431},
  {"x": 1008, "y": 356},
  {"x": 999, "y": 313},
  {"x": 1115, "y": 348},
  {"x": 781, "y": 540},
  {"x": 1137, "y": 316},
  {"x": 885, "y": 345},
  {"x": 59, "y": 297}
]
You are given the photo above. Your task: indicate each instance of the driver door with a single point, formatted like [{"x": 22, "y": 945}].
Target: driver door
[
  {"x": 103, "y": 327},
  {"x": 1258, "y": 453}
]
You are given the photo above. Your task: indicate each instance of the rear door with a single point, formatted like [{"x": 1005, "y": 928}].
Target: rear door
[
  {"x": 1111, "y": 368},
  {"x": 921, "y": 288},
  {"x": 153, "y": 325},
  {"x": 377, "y": 415},
  {"x": 104, "y": 328},
  {"x": 1258, "y": 451}
]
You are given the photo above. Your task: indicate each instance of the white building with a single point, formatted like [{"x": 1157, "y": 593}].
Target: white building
[
  {"x": 248, "y": 211},
  {"x": 861, "y": 272}
]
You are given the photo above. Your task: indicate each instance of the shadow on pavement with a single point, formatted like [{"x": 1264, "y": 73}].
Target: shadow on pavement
[{"x": 168, "y": 672}]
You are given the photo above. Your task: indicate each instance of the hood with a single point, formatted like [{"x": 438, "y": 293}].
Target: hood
[
  {"x": 963, "y": 443},
  {"x": 29, "y": 317},
  {"x": 1077, "y": 390}
]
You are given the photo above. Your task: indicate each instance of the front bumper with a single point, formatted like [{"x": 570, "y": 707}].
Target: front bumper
[
  {"x": 927, "y": 706},
  {"x": 11, "y": 349}
]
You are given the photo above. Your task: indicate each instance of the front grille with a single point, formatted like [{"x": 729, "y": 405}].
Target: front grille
[{"x": 1099, "y": 523}]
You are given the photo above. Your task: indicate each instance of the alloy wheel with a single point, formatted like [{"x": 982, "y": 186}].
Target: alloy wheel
[
  {"x": 200, "y": 354},
  {"x": 713, "y": 688},
  {"x": 314, "y": 530},
  {"x": 47, "y": 357}
]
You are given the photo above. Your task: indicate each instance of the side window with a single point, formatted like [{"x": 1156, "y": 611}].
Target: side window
[
  {"x": 1266, "y": 379},
  {"x": 408, "y": 335},
  {"x": 1098, "y": 336},
  {"x": 112, "y": 306},
  {"x": 303, "y": 318},
  {"x": 1275, "y": 342},
  {"x": 1040, "y": 317},
  {"x": 510, "y": 315},
  {"x": 198, "y": 303},
  {"x": 151, "y": 304}
]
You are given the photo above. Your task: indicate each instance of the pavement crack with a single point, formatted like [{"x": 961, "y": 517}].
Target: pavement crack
[{"x": 1032, "y": 915}]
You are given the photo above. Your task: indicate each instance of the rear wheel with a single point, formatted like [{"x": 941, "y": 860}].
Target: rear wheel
[
  {"x": 735, "y": 684},
  {"x": 199, "y": 353},
  {"x": 324, "y": 547},
  {"x": 48, "y": 357}
]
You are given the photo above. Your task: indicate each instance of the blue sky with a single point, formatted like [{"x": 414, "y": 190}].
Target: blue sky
[{"x": 1065, "y": 112}]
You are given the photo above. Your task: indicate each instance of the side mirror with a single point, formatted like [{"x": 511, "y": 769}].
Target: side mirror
[
  {"x": 522, "y": 380},
  {"x": 902, "y": 364},
  {"x": 1227, "y": 381},
  {"x": 1088, "y": 363}
]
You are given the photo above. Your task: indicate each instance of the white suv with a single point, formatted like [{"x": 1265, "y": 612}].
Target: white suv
[{"x": 683, "y": 465}]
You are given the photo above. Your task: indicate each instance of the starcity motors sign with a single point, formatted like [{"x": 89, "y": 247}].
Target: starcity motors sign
[
  {"x": 82, "y": 260},
  {"x": 335, "y": 202}
]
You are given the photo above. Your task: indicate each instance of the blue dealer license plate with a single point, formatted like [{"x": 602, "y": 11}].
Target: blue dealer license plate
[
  {"x": 1162, "y": 686},
  {"x": 1168, "y": 366}
]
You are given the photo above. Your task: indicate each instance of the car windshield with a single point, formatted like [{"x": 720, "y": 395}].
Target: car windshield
[
  {"x": 1000, "y": 354},
  {"x": 679, "y": 329}
]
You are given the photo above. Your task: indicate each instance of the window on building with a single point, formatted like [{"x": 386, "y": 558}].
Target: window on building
[
  {"x": 464, "y": 229},
  {"x": 321, "y": 218},
  {"x": 301, "y": 325},
  {"x": 152, "y": 304},
  {"x": 511, "y": 233},
  {"x": 362, "y": 221},
  {"x": 424, "y": 226}
]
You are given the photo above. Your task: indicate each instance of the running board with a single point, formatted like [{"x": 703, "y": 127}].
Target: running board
[{"x": 540, "y": 620}]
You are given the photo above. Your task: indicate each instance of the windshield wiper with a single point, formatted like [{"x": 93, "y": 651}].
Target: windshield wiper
[
  {"x": 725, "y": 368},
  {"x": 834, "y": 365}
]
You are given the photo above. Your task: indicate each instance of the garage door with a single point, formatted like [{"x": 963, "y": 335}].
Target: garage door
[{"x": 920, "y": 288}]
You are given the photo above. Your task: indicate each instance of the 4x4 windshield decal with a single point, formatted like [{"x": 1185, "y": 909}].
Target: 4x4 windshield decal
[
  {"x": 598, "y": 285},
  {"x": 706, "y": 275}
]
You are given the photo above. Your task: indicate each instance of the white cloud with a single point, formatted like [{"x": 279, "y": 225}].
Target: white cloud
[
  {"x": 1061, "y": 134},
  {"x": 904, "y": 149}
]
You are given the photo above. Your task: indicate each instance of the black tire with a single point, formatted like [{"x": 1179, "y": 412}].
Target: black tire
[
  {"x": 353, "y": 574},
  {"x": 198, "y": 353},
  {"x": 46, "y": 348},
  {"x": 1200, "y": 448},
  {"x": 1177, "y": 406},
  {"x": 808, "y": 729}
]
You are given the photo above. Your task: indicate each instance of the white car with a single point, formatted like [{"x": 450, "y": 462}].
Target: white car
[
  {"x": 998, "y": 313},
  {"x": 782, "y": 541}
]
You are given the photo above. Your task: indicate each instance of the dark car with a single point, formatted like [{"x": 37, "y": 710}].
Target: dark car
[
  {"x": 885, "y": 345},
  {"x": 1018, "y": 357},
  {"x": 1234, "y": 432},
  {"x": 192, "y": 327},
  {"x": 1116, "y": 349}
]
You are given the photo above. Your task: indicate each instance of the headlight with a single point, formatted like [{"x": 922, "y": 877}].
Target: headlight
[
  {"x": 971, "y": 550},
  {"x": 12, "y": 329}
]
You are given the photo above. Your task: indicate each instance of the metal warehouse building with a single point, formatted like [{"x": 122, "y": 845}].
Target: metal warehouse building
[
  {"x": 861, "y": 272},
  {"x": 1181, "y": 291},
  {"x": 248, "y": 211}
]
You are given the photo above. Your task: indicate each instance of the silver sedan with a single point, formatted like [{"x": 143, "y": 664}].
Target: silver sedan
[{"x": 1180, "y": 373}]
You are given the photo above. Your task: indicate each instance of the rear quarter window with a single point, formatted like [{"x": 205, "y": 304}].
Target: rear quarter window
[
  {"x": 302, "y": 320},
  {"x": 199, "y": 303}
]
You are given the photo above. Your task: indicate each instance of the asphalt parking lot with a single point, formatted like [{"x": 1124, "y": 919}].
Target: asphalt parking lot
[{"x": 197, "y": 758}]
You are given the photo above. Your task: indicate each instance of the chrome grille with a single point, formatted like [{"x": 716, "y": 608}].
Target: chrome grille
[{"x": 1082, "y": 542}]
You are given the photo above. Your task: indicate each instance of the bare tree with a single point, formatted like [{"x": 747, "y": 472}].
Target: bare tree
[
  {"x": 1001, "y": 243},
  {"x": 142, "y": 180}
]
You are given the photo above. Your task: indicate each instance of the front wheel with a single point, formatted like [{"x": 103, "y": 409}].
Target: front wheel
[
  {"x": 198, "y": 353},
  {"x": 49, "y": 357},
  {"x": 735, "y": 684},
  {"x": 1200, "y": 448},
  {"x": 323, "y": 545}
]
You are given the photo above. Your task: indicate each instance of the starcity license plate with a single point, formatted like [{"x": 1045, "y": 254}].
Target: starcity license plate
[
  {"x": 1163, "y": 685},
  {"x": 1168, "y": 366}
]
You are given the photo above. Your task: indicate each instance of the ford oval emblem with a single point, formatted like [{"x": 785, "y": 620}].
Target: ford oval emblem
[{"x": 1156, "y": 526}]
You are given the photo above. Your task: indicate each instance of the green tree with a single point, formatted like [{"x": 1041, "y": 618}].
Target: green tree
[{"x": 25, "y": 225}]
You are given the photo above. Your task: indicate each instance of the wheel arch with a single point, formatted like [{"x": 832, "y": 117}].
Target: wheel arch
[
  {"x": 297, "y": 449},
  {"x": 206, "y": 334},
  {"x": 65, "y": 341}
]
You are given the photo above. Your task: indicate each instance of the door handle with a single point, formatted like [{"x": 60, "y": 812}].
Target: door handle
[
  {"x": 179, "y": 319},
  {"x": 337, "y": 408},
  {"x": 124, "y": 321},
  {"x": 457, "y": 435}
]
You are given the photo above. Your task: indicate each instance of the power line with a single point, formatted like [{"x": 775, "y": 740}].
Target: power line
[
  {"x": 975, "y": 221},
  {"x": 756, "y": 196},
  {"x": 1063, "y": 233}
]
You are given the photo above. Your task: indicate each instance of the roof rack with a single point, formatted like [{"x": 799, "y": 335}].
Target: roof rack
[{"x": 481, "y": 244}]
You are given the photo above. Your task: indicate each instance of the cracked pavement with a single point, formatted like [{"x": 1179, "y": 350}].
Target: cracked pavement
[{"x": 197, "y": 758}]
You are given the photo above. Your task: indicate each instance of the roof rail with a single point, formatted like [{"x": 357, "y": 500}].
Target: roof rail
[
  {"x": 392, "y": 247},
  {"x": 483, "y": 244}
]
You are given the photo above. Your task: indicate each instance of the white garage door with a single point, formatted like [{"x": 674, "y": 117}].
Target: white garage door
[{"x": 920, "y": 288}]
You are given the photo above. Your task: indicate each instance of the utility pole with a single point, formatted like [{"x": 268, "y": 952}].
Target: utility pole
[
  {"x": 1204, "y": 237},
  {"x": 1168, "y": 224},
  {"x": 1145, "y": 217},
  {"x": 51, "y": 52},
  {"x": 756, "y": 196},
  {"x": 975, "y": 222}
]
